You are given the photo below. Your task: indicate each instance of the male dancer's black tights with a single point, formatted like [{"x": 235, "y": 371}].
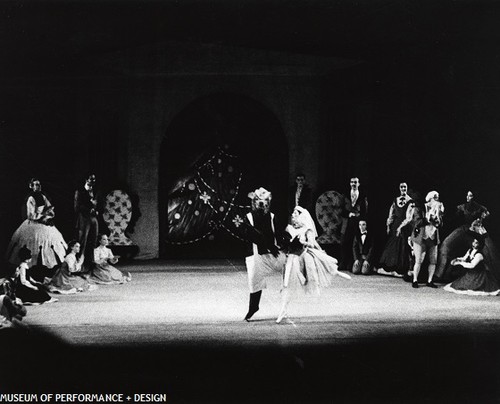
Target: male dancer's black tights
[{"x": 253, "y": 306}]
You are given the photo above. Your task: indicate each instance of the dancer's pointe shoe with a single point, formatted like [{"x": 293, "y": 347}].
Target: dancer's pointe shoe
[
  {"x": 431, "y": 285},
  {"x": 382, "y": 271},
  {"x": 281, "y": 317},
  {"x": 343, "y": 275},
  {"x": 414, "y": 284}
]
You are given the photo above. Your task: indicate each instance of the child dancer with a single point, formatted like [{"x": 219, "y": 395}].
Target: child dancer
[
  {"x": 69, "y": 278},
  {"x": 26, "y": 289}
]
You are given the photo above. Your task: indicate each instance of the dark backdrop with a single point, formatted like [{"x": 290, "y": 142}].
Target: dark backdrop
[{"x": 420, "y": 106}]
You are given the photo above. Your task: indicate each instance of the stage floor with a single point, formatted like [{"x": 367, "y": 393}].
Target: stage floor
[
  {"x": 178, "y": 329},
  {"x": 206, "y": 302}
]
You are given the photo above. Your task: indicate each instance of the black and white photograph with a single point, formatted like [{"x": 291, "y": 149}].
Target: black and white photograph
[{"x": 250, "y": 201}]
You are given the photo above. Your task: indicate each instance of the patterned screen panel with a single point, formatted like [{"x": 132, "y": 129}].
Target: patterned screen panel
[
  {"x": 117, "y": 215},
  {"x": 329, "y": 207}
]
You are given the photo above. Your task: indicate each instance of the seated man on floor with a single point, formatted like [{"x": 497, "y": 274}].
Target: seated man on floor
[{"x": 362, "y": 249}]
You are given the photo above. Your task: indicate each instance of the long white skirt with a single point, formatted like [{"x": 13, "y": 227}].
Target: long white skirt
[{"x": 39, "y": 238}]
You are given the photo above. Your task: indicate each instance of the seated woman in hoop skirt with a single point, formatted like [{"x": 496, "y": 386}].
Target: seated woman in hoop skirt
[
  {"x": 472, "y": 215},
  {"x": 489, "y": 251},
  {"x": 38, "y": 233},
  {"x": 307, "y": 266},
  {"x": 103, "y": 272},
  {"x": 478, "y": 280}
]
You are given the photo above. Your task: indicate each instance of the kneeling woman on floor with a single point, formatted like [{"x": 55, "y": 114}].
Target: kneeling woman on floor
[
  {"x": 69, "y": 277},
  {"x": 105, "y": 273},
  {"x": 307, "y": 267}
]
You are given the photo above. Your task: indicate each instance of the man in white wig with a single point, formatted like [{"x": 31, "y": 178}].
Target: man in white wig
[
  {"x": 265, "y": 257},
  {"x": 425, "y": 237}
]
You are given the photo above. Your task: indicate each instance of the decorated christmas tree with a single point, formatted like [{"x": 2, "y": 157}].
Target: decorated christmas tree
[{"x": 207, "y": 202}]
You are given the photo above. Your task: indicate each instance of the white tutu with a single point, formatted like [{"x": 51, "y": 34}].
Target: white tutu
[
  {"x": 311, "y": 270},
  {"x": 39, "y": 238}
]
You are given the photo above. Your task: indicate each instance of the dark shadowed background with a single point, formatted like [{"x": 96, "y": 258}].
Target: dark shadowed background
[{"x": 385, "y": 90}]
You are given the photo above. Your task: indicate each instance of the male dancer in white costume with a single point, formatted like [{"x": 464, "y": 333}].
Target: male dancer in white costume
[{"x": 265, "y": 257}]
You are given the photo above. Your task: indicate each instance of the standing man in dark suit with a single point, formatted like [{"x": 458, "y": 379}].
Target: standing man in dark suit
[
  {"x": 300, "y": 195},
  {"x": 87, "y": 225},
  {"x": 355, "y": 209},
  {"x": 362, "y": 249}
]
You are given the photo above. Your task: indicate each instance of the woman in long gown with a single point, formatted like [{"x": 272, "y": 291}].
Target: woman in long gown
[
  {"x": 103, "y": 272},
  {"x": 26, "y": 288},
  {"x": 69, "y": 277},
  {"x": 395, "y": 259},
  {"x": 478, "y": 279},
  {"x": 472, "y": 214},
  {"x": 37, "y": 232},
  {"x": 490, "y": 252},
  {"x": 307, "y": 266}
]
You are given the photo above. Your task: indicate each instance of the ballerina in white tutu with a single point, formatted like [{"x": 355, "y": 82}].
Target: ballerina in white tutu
[
  {"x": 307, "y": 267},
  {"x": 37, "y": 232}
]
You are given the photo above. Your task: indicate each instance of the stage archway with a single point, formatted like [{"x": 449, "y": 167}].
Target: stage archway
[{"x": 215, "y": 151}]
